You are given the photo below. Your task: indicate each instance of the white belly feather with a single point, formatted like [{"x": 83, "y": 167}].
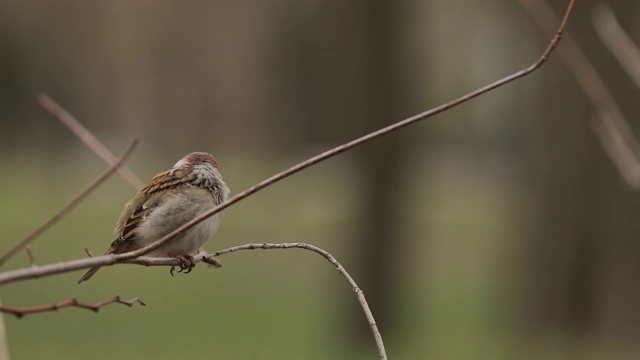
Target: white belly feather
[{"x": 176, "y": 209}]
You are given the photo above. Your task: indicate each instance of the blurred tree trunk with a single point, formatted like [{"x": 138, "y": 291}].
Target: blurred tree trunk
[
  {"x": 378, "y": 94},
  {"x": 358, "y": 91},
  {"x": 583, "y": 261},
  {"x": 379, "y": 238}
]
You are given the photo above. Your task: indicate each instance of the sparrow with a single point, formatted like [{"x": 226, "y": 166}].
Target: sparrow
[{"x": 172, "y": 198}]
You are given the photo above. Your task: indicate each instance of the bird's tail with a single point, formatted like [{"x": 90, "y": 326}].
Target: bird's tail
[
  {"x": 89, "y": 274},
  {"x": 94, "y": 269}
]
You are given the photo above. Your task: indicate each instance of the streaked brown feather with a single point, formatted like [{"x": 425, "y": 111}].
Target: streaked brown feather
[
  {"x": 146, "y": 199},
  {"x": 152, "y": 195}
]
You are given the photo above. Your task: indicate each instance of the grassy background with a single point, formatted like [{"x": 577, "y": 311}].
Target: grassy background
[
  {"x": 459, "y": 270},
  {"x": 261, "y": 304}
]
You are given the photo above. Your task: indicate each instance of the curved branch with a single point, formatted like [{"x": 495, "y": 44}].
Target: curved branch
[
  {"x": 359, "y": 294},
  {"x": 359, "y": 141},
  {"x": 612, "y": 128},
  {"x": 47, "y": 270}
]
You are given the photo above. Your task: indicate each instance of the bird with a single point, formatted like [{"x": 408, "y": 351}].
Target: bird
[{"x": 169, "y": 200}]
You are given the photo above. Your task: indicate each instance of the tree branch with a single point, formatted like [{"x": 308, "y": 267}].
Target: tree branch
[
  {"x": 87, "y": 137},
  {"x": 202, "y": 256},
  {"x": 611, "y": 127},
  {"x": 104, "y": 260},
  {"x": 32, "y": 258},
  {"x": 47, "y": 270},
  {"x": 618, "y": 41},
  {"x": 359, "y": 141},
  {"x": 22, "y": 311},
  {"x": 70, "y": 206},
  {"x": 359, "y": 293}
]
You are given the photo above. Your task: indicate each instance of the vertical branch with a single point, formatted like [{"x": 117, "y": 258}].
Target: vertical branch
[
  {"x": 4, "y": 349},
  {"x": 32, "y": 259}
]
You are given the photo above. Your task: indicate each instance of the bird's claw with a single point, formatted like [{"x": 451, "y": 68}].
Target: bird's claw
[{"x": 187, "y": 263}]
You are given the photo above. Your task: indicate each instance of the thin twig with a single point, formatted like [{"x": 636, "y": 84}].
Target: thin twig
[
  {"x": 359, "y": 294},
  {"x": 344, "y": 147},
  {"x": 47, "y": 270},
  {"x": 617, "y": 40},
  {"x": 88, "y": 252},
  {"x": 623, "y": 155},
  {"x": 22, "y": 311},
  {"x": 87, "y": 137},
  {"x": 70, "y": 206},
  {"x": 32, "y": 259},
  {"x": 614, "y": 132}
]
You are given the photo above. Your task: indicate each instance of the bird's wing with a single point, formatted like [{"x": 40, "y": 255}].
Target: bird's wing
[{"x": 144, "y": 202}]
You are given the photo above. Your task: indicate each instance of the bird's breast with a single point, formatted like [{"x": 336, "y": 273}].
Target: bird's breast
[{"x": 176, "y": 209}]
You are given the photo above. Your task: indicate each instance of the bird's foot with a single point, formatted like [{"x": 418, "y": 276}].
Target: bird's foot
[{"x": 187, "y": 263}]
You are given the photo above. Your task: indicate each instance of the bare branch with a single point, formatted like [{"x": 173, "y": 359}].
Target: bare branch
[
  {"x": 617, "y": 40},
  {"x": 359, "y": 141},
  {"x": 22, "y": 311},
  {"x": 47, "y": 270},
  {"x": 104, "y": 260},
  {"x": 87, "y": 137},
  {"x": 623, "y": 155},
  {"x": 70, "y": 206},
  {"x": 614, "y": 131},
  {"x": 359, "y": 294},
  {"x": 88, "y": 252},
  {"x": 172, "y": 261},
  {"x": 32, "y": 259}
]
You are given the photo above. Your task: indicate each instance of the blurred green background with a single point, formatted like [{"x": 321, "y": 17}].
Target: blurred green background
[{"x": 496, "y": 230}]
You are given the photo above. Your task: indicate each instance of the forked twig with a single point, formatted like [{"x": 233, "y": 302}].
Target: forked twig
[
  {"x": 47, "y": 270},
  {"x": 359, "y": 294},
  {"x": 613, "y": 130},
  {"x": 70, "y": 206},
  {"x": 73, "y": 302},
  {"x": 87, "y": 137}
]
